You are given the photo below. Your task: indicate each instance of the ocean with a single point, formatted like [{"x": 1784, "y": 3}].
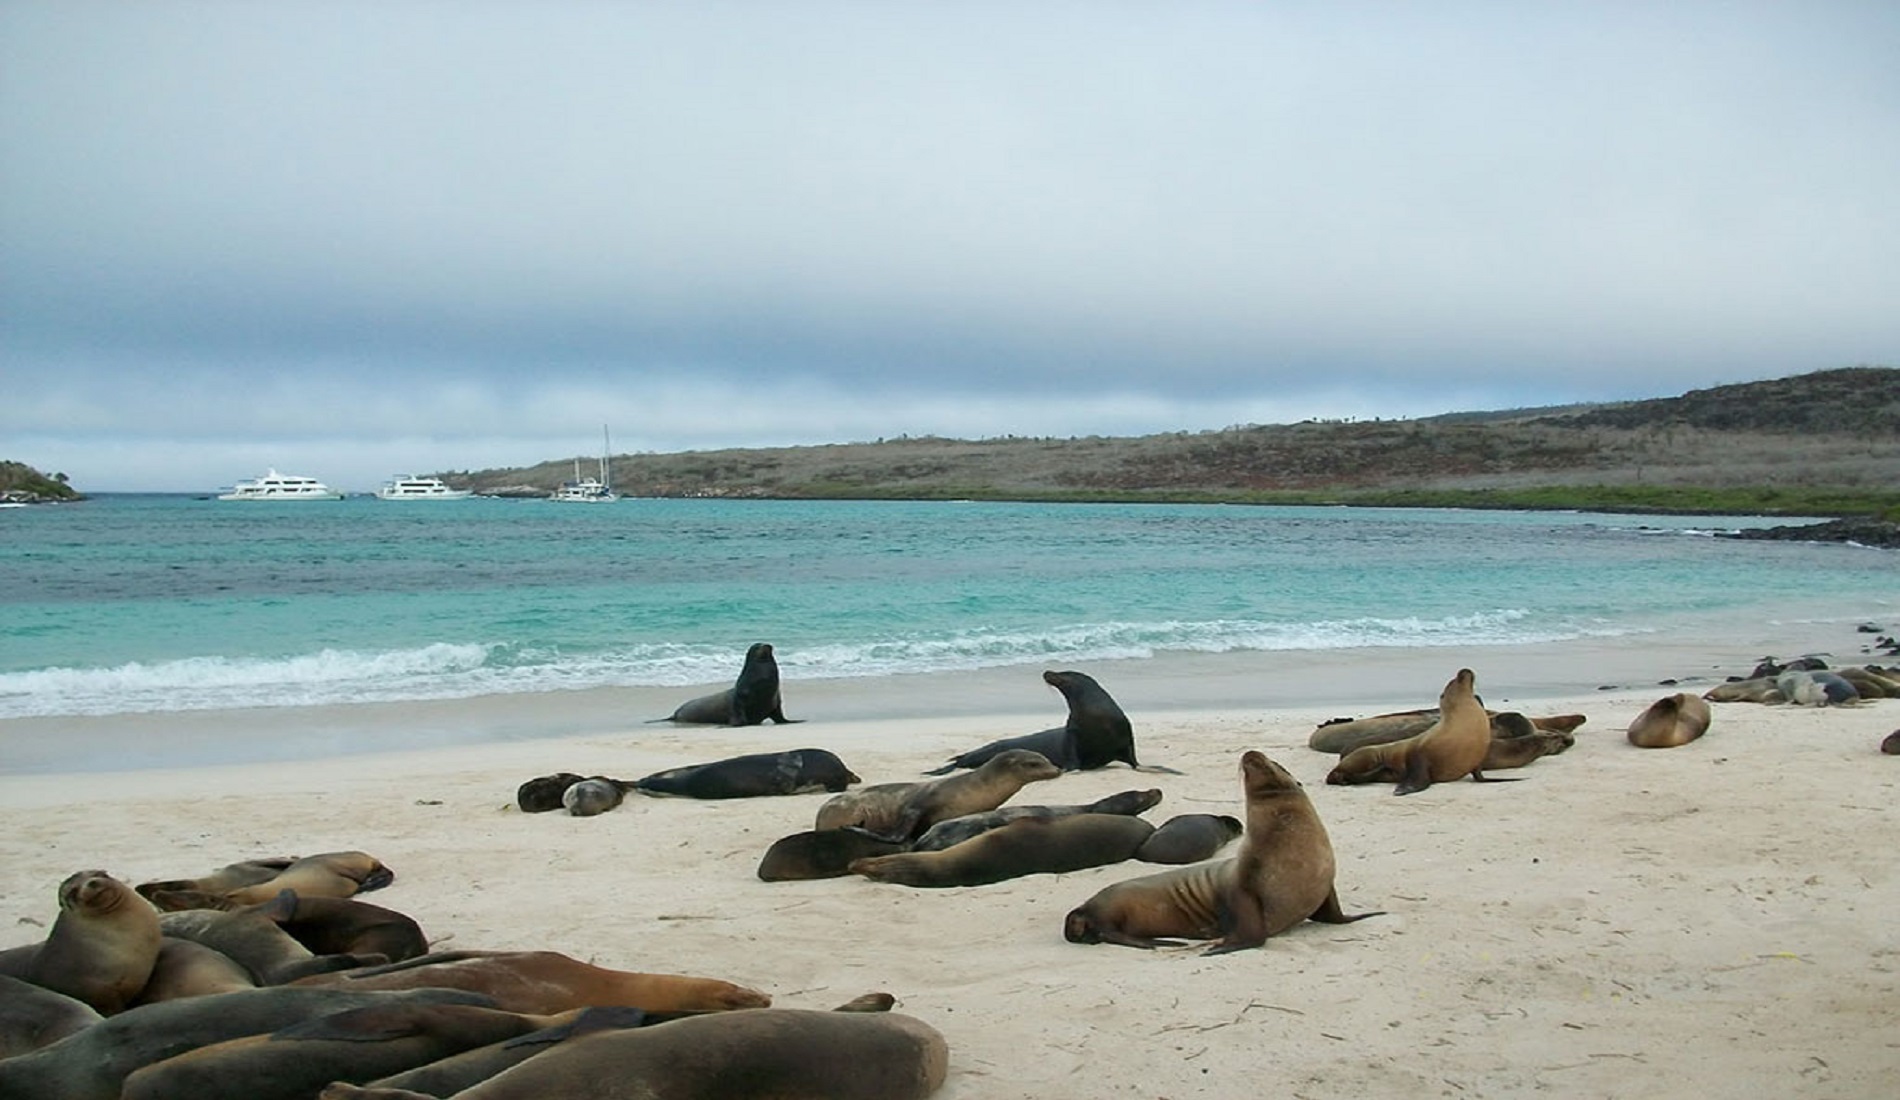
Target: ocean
[{"x": 151, "y": 604}]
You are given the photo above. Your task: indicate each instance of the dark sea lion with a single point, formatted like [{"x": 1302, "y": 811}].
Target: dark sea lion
[
  {"x": 543, "y": 793},
  {"x": 750, "y": 701},
  {"x": 822, "y": 853},
  {"x": 92, "y": 1064},
  {"x": 544, "y": 982},
  {"x": 358, "y": 1044},
  {"x": 448, "y": 1076},
  {"x": 1026, "y": 846},
  {"x": 593, "y": 795},
  {"x": 348, "y": 926},
  {"x": 1189, "y": 838},
  {"x": 1096, "y": 734},
  {"x": 798, "y": 771},
  {"x": 1670, "y": 721},
  {"x": 1342, "y": 735},
  {"x": 770, "y": 1054},
  {"x": 327, "y": 874},
  {"x": 956, "y": 830},
  {"x": 33, "y": 1016},
  {"x": 232, "y": 876},
  {"x": 1890, "y": 744},
  {"x": 1752, "y": 690},
  {"x": 1282, "y": 875},
  {"x": 189, "y": 969},
  {"x": 254, "y": 938},
  {"x": 902, "y": 811},
  {"x": 102, "y": 946}
]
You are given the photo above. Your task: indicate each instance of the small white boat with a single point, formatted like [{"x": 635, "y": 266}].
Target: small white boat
[
  {"x": 588, "y": 490},
  {"x": 421, "y": 488},
  {"x": 276, "y": 486}
]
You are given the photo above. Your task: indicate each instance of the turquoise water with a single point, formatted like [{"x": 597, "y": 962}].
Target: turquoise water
[{"x": 130, "y": 604}]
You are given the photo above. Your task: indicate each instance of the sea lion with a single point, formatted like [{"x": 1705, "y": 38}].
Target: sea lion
[
  {"x": 189, "y": 969},
  {"x": 1870, "y": 683},
  {"x": 328, "y": 874},
  {"x": 102, "y": 946},
  {"x": 358, "y": 1044},
  {"x": 1890, "y": 744},
  {"x": 1387, "y": 762},
  {"x": 1809, "y": 687},
  {"x": 544, "y": 982},
  {"x": 956, "y": 830},
  {"x": 33, "y": 1016},
  {"x": 1760, "y": 689},
  {"x": 823, "y": 853},
  {"x": 1189, "y": 838},
  {"x": 1342, "y": 735},
  {"x": 770, "y": 1054},
  {"x": 1026, "y": 846},
  {"x": 92, "y": 1064},
  {"x": 254, "y": 938},
  {"x": 798, "y": 771},
  {"x": 1670, "y": 721},
  {"x": 750, "y": 701},
  {"x": 1516, "y": 752},
  {"x": 543, "y": 793},
  {"x": 591, "y": 796},
  {"x": 1282, "y": 875},
  {"x": 348, "y": 926},
  {"x": 1096, "y": 734},
  {"x": 1453, "y": 747},
  {"x": 232, "y": 876},
  {"x": 902, "y": 811},
  {"x": 448, "y": 1076}
]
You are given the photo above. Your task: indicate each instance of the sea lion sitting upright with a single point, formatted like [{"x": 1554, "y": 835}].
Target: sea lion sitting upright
[
  {"x": 798, "y": 771},
  {"x": 902, "y": 811},
  {"x": 102, "y": 946},
  {"x": 1670, "y": 721},
  {"x": 750, "y": 701},
  {"x": 1282, "y": 875},
  {"x": 1096, "y": 734},
  {"x": 1026, "y": 846},
  {"x": 1455, "y": 746}
]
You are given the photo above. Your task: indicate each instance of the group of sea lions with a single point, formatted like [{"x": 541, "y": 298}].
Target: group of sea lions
[{"x": 314, "y": 995}]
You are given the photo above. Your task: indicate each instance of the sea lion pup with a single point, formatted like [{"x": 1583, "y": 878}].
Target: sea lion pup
[
  {"x": 798, "y": 771},
  {"x": 543, "y": 793},
  {"x": 1189, "y": 838},
  {"x": 1516, "y": 752},
  {"x": 1342, "y": 735},
  {"x": 750, "y": 701},
  {"x": 328, "y": 875},
  {"x": 1761, "y": 689},
  {"x": 1282, "y": 875},
  {"x": 545, "y": 982},
  {"x": 1096, "y": 734},
  {"x": 253, "y": 937},
  {"x": 902, "y": 811},
  {"x": 956, "y": 830},
  {"x": 33, "y": 1016},
  {"x": 771, "y": 1054},
  {"x": 593, "y": 795},
  {"x": 189, "y": 969},
  {"x": 1026, "y": 846},
  {"x": 347, "y": 926},
  {"x": 102, "y": 946},
  {"x": 93, "y": 1064},
  {"x": 822, "y": 853},
  {"x": 1890, "y": 744},
  {"x": 359, "y": 1044},
  {"x": 1808, "y": 687},
  {"x": 1670, "y": 721},
  {"x": 232, "y": 876}
]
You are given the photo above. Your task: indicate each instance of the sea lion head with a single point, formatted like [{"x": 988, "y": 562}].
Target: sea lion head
[
  {"x": 92, "y": 892},
  {"x": 1260, "y": 776},
  {"x": 1462, "y": 686},
  {"x": 1079, "y": 927},
  {"x": 759, "y": 651},
  {"x": 1025, "y": 764}
]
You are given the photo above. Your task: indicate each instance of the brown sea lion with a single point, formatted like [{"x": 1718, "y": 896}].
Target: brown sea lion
[
  {"x": 902, "y": 811},
  {"x": 1026, "y": 846},
  {"x": 1453, "y": 747},
  {"x": 232, "y": 876},
  {"x": 771, "y": 1054},
  {"x": 1670, "y": 721},
  {"x": 1342, "y": 735},
  {"x": 1516, "y": 752},
  {"x": 359, "y": 1044},
  {"x": 1282, "y": 875},
  {"x": 189, "y": 969},
  {"x": 327, "y": 875},
  {"x": 544, "y": 982},
  {"x": 1189, "y": 838},
  {"x": 1759, "y": 689},
  {"x": 956, "y": 830},
  {"x": 92, "y": 1064},
  {"x": 102, "y": 946},
  {"x": 347, "y": 926},
  {"x": 33, "y": 1016},
  {"x": 1386, "y": 763},
  {"x": 823, "y": 853},
  {"x": 752, "y": 700},
  {"x": 253, "y": 936}
]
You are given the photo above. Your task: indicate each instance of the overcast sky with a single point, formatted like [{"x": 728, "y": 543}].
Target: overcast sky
[{"x": 352, "y": 240}]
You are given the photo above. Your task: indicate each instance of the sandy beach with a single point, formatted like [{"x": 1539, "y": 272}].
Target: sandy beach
[{"x": 1711, "y": 920}]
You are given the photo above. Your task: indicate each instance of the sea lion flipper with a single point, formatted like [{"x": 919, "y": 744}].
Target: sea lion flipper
[
  {"x": 1157, "y": 768},
  {"x": 870, "y": 1002},
  {"x": 1480, "y": 777},
  {"x": 1329, "y": 911},
  {"x": 1418, "y": 774}
]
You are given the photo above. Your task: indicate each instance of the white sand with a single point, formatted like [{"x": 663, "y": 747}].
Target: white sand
[{"x": 1721, "y": 919}]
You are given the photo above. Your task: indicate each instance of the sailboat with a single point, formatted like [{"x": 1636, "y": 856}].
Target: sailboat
[{"x": 588, "y": 490}]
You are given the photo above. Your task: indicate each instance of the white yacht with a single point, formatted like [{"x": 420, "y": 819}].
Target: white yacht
[
  {"x": 421, "y": 488},
  {"x": 276, "y": 486},
  {"x": 588, "y": 490}
]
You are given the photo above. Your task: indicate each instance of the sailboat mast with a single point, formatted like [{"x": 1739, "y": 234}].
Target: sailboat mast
[{"x": 606, "y": 448}]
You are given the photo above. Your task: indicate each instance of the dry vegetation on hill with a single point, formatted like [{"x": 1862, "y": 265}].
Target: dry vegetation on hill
[{"x": 1834, "y": 431}]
